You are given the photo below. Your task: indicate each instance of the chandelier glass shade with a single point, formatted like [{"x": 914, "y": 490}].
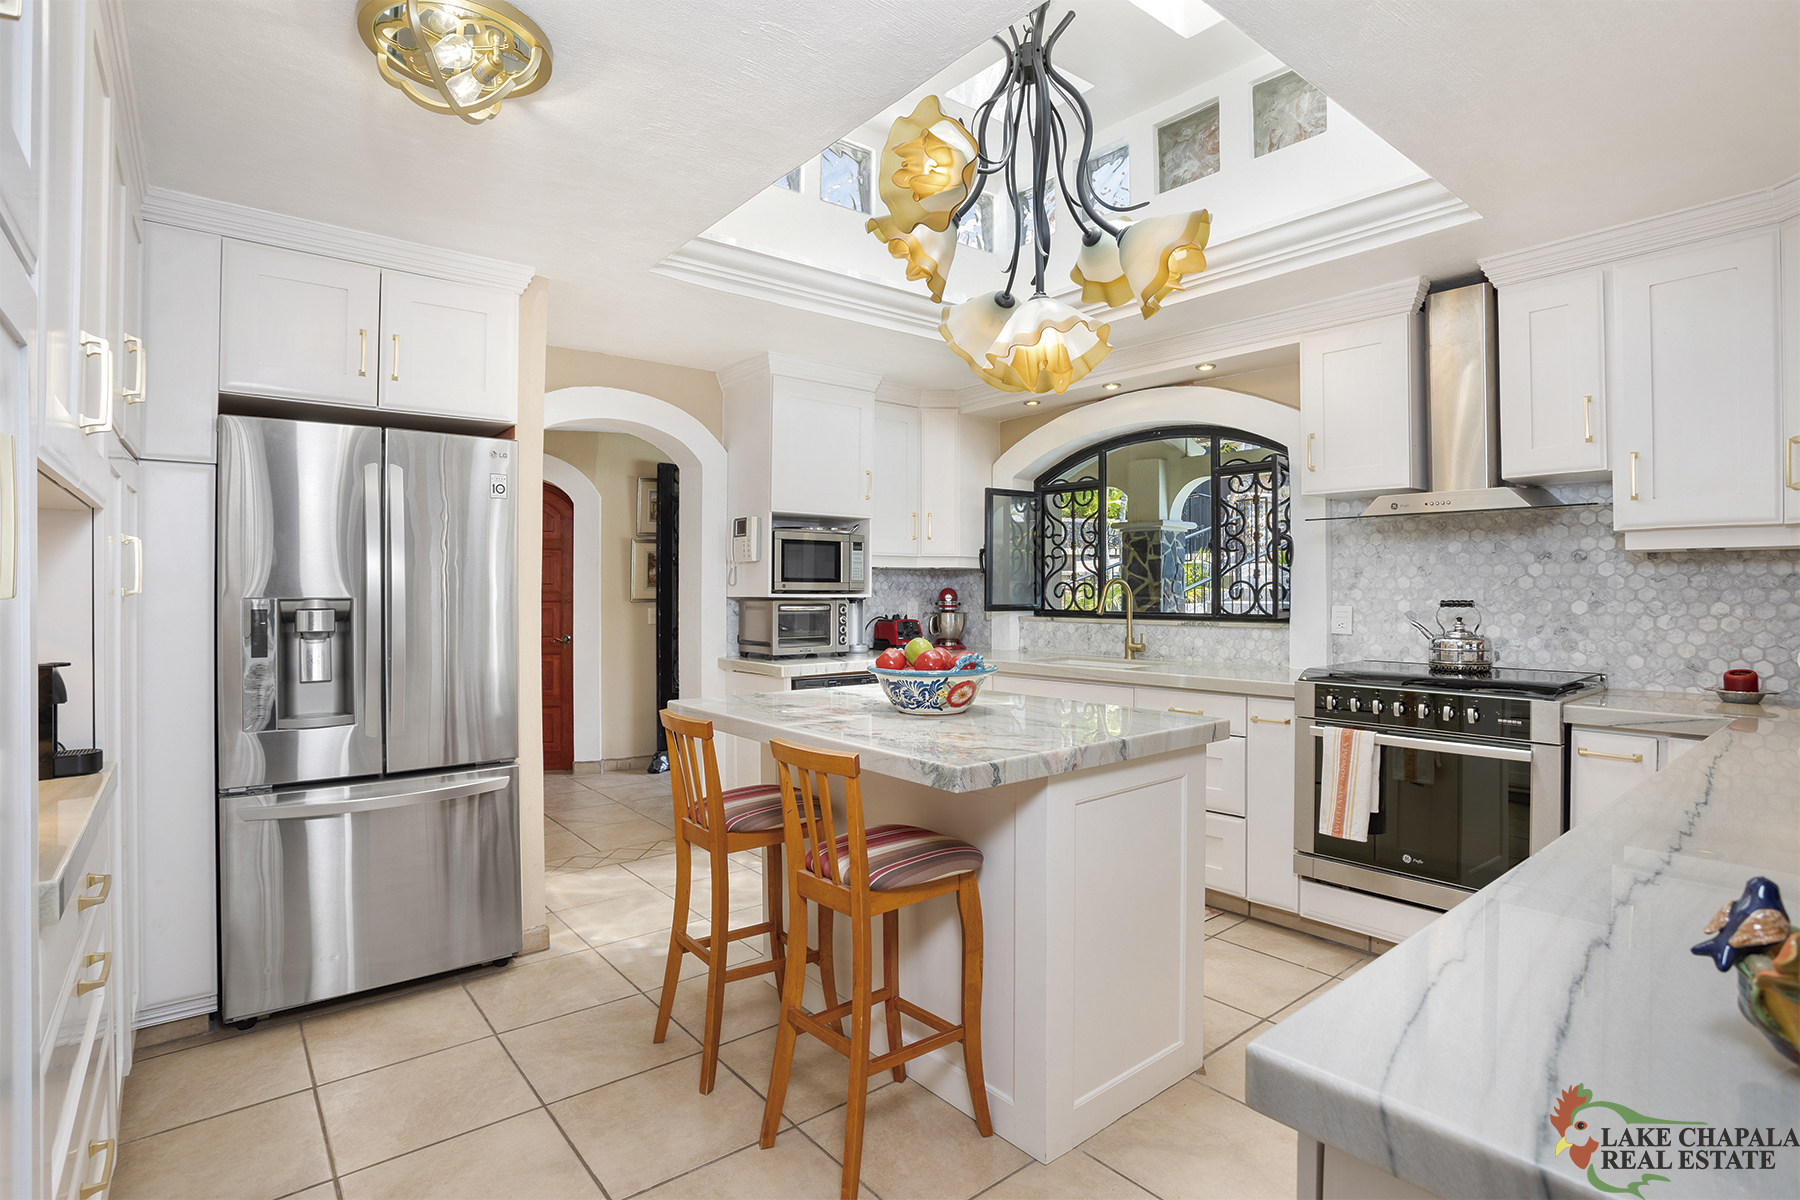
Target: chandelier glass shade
[
  {"x": 933, "y": 171},
  {"x": 461, "y": 59}
]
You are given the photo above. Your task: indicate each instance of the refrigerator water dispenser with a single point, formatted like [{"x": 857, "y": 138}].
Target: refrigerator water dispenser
[{"x": 316, "y": 671}]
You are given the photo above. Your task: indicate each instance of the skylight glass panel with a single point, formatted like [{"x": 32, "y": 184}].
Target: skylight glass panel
[
  {"x": 1288, "y": 109},
  {"x": 844, "y": 176},
  {"x": 1187, "y": 148},
  {"x": 1109, "y": 175},
  {"x": 977, "y": 226},
  {"x": 1186, "y": 17},
  {"x": 790, "y": 181}
]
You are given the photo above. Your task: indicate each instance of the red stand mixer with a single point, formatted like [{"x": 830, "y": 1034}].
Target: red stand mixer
[{"x": 945, "y": 626}]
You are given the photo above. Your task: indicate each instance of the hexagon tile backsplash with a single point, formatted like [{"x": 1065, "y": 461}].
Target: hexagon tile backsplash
[{"x": 1557, "y": 591}]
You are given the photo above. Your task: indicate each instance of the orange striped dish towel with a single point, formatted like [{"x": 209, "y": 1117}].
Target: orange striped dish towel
[{"x": 1348, "y": 793}]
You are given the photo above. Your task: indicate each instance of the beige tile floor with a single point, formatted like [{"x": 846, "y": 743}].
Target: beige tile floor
[{"x": 538, "y": 1079}]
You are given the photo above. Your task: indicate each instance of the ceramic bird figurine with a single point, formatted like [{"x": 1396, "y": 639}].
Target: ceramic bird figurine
[
  {"x": 1753, "y": 935},
  {"x": 1754, "y": 919}
]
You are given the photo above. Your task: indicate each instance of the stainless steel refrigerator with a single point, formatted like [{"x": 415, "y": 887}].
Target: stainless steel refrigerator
[{"x": 368, "y": 708}]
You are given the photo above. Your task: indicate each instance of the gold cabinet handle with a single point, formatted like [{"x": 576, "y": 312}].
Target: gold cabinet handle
[
  {"x": 915, "y": 533},
  {"x": 137, "y": 580},
  {"x": 928, "y": 527},
  {"x": 1634, "y": 458},
  {"x": 394, "y": 370},
  {"x": 135, "y": 345},
  {"x": 869, "y": 485},
  {"x": 362, "y": 352},
  {"x": 1791, "y": 443},
  {"x": 1189, "y": 712},
  {"x": 1631, "y": 758},
  {"x": 1309, "y": 458},
  {"x": 110, "y": 1148},
  {"x": 1587, "y": 418},
  {"x": 104, "y": 883},
  {"x": 103, "y": 960},
  {"x": 91, "y": 346},
  {"x": 1271, "y": 721}
]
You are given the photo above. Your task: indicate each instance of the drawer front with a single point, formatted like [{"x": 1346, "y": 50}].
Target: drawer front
[
  {"x": 1603, "y": 767},
  {"x": 92, "y": 1148},
  {"x": 60, "y": 941},
  {"x": 80, "y": 1052},
  {"x": 1225, "y": 776},
  {"x": 1205, "y": 704},
  {"x": 1225, "y": 854}
]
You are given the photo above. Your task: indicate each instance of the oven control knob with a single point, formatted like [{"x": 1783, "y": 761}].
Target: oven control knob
[
  {"x": 1375, "y": 706},
  {"x": 1356, "y": 704},
  {"x": 1472, "y": 714},
  {"x": 1330, "y": 702},
  {"x": 1399, "y": 708},
  {"x": 1448, "y": 712}
]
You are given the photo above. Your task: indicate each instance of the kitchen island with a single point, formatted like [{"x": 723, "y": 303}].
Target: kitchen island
[
  {"x": 1441, "y": 1064},
  {"x": 1091, "y": 818}
]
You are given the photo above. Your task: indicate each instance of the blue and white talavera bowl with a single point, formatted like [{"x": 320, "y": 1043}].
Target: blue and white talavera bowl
[{"x": 931, "y": 693}]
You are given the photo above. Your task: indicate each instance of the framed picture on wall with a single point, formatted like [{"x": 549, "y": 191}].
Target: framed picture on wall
[
  {"x": 643, "y": 571},
  {"x": 646, "y": 506}
]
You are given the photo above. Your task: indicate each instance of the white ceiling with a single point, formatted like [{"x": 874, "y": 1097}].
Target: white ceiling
[{"x": 1549, "y": 119}]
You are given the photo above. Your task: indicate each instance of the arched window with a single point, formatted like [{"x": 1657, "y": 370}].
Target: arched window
[{"x": 1193, "y": 519}]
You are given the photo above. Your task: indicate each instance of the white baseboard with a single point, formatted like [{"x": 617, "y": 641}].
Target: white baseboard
[
  {"x": 163, "y": 1013},
  {"x": 1390, "y": 920}
]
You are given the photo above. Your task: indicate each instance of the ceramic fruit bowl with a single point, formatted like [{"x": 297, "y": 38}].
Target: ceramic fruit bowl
[{"x": 931, "y": 693}]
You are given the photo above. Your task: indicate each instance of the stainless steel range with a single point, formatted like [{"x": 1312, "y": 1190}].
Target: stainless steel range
[{"x": 1470, "y": 774}]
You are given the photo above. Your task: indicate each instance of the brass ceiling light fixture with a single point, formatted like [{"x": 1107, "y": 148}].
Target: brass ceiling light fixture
[
  {"x": 932, "y": 173},
  {"x": 461, "y": 59}
]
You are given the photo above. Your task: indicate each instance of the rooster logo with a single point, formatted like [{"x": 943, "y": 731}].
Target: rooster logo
[{"x": 1579, "y": 1117}]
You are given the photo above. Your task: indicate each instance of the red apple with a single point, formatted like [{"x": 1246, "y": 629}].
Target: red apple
[
  {"x": 891, "y": 659},
  {"x": 935, "y": 659}
]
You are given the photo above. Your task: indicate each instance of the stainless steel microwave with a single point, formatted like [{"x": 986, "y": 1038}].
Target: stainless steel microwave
[
  {"x": 820, "y": 561},
  {"x": 784, "y": 628}
]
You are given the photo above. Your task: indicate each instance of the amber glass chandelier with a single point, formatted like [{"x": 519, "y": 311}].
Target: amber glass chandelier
[
  {"x": 933, "y": 171},
  {"x": 460, "y": 59}
]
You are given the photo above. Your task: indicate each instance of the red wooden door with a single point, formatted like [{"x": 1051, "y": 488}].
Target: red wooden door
[{"x": 559, "y": 630}]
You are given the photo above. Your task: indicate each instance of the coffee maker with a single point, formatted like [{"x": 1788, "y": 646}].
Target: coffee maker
[
  {"x": 53, "y": 761},
  {"x": 948, "y": 621}
]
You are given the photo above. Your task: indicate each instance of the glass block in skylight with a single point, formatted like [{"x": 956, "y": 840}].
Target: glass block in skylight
[
  {"x": 977, "y": 226},
  {"x": 844, "y": 176},
  {"x": 790, "y": 181},
  {"x": 1288, "y": 110},
  {"x": 1109, "y": 175},
  {"x": 1027, "y": 218},
  {"x": 1187, "y": 148}
]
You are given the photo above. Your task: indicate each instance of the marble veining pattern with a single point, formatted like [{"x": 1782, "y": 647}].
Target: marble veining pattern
[
  {"x": 1003, "y": 738},
  {"x": 1255, "y": 644},
  {"x": 1558, "y": 590},
  {"x": 1441, "y": 1062}
]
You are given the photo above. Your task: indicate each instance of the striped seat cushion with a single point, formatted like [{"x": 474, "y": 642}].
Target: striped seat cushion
[
  {"x": 905, "y": 855},
  {"x": 753, "y": 809}
]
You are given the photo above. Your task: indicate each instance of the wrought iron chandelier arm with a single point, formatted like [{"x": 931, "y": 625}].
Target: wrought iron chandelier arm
[
  {"x": 1012, "y": 267},
  {"x": 1082, "y": 182},
  {"x": 1076, "y": 208},
  {"x": 1040, "y": 164}
]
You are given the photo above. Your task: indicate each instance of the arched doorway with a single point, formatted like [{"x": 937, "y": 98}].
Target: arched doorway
[{"x": 558, "y": 630}]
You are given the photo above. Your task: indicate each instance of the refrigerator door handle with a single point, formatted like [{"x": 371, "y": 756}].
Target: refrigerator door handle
[
  {"x": 333, "y": 808},
  {"x": 396, "y": 595},
  {"x": 371, "y": 623}
]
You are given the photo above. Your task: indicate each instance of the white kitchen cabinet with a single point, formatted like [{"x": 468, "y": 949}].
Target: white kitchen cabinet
[
  {"x": 1269, "y": 805},
  {"x": 21, "y": 158},
  {"x": 448, "y": 349},
  {"x": 1197, "y": 704},
  {"x": 1225, "y": 854},
  {"x": 1552, "y": 379},
  {"x": 1697, "y": 431},
  {"x": 181, "y": 332},
  {"x": 1362, "y": 395},
  {"x": 1603, "y": 767},
  {"x": 894, "y": 529},
  {"x": 298, "y": 326},
  {"x": 134, "y": 361},
  {"x": 1064, "y": 689}
]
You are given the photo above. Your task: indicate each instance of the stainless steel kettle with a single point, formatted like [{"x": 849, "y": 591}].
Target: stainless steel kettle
[{"x": 1458, "y": 650}]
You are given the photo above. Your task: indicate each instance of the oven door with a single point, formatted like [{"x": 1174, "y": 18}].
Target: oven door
[
  {"x": 805, "y": 627},
  {"x": 807, "y": 561},
  {"x": 1453, "y": 813}
]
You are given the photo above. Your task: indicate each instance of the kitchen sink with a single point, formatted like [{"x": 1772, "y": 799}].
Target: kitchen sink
[{"x": 1113, "y": 664}]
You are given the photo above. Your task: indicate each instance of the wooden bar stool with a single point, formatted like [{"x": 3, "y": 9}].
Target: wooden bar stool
[
  {"x": 864, "y": 873},
  {"x": 721, "y": 823}
]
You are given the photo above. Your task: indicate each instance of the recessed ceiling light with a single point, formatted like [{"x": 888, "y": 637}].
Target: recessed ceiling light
[
  {"x": 1207, "y": 367},
  {"x": 1112, "y": 387},
  {"x": 1033, "y": 403}
]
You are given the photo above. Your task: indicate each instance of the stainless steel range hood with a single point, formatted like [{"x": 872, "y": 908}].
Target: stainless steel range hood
[{"x": 1463, "y": 413}]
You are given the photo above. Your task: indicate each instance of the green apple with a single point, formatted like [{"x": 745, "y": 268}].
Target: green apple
[{"x": 916, "y": 647}]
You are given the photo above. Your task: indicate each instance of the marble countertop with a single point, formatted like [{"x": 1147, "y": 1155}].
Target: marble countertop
[
  {"x": 1681, "y": 714},
  {"x": 1243, "y": 679},
  {"x": 1002, "y": 738},
  {"x": 70, "y": 812},
  {"x": 790, "y": 668},
  {"x": 1441, "y": 1061}
]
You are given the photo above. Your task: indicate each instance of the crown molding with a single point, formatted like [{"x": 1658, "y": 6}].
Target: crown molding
[
  {"x": 758, "y": 273},
  {"x": 333, "y": 241},
  {"x": 1280, "y": 328},
  {"x": 1768, "y": 206},
  {"x": 112, "y": 20},
  {"x": 766, "y": 368}
]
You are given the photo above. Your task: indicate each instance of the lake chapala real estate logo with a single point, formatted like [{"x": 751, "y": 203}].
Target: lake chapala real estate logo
[{"x": 1623, "y": 1150}]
